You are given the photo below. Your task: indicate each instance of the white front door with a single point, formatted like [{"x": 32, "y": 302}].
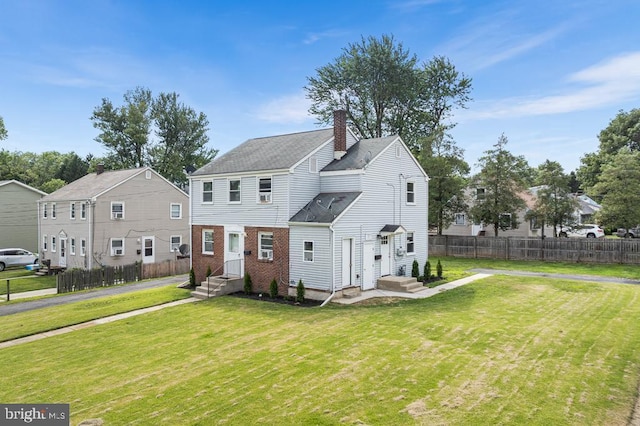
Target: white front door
[
  {"x": 234, "y": 251},
  {"x": 63, "y": 253},
  {"x": 368, "y": 265},
  {"x": 148, "y": 249},
  {"x": 385, "y": 253},
  {"x": 348, "y": 263}
]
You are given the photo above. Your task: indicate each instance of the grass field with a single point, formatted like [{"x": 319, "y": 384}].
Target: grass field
[
  {"x": 22, "y": 280},
  {"x": 503, "y": 350}
]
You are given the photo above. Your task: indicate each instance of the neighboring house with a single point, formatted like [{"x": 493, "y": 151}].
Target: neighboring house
[
  {"x": 113, "y": 218},
  {"x": 19, "y": 215},
  {"x": 317, "y": 206},
  {"x": 586, "y": 210}
]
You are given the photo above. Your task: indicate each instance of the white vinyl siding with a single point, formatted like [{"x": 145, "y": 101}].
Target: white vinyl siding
[{"x": 316, "y": 274}]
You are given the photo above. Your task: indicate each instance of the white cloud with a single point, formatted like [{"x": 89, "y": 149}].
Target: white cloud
[
  {"x": 314, "y": 37},
  {"x": 285, "y": 109}
]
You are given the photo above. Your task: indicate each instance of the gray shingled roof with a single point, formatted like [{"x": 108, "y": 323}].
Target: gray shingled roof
[
  {"x": 360, "y": 154},
  {"x": 91, "y": 185},
  {"x": 270, "y": 153},
  {"x": 325, "y": 207}
]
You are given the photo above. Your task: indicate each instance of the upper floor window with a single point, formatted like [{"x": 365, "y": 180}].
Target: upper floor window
[
  {"x": 176, "y": 211},
  {"x": 264, "y": 190},
  {"x": 53, "y": 210},
  {"x": 207, "y": 241},
  {"x": 480, "y": 193},
  {"x": 307, "y": 251},
  {"x": 410, "y": 243},
  {"x": 117, "y": 247},
  {"x": 83, "y": 211},
  {"x": 411, "y": 195},
  {"x": 234, "y": 190},
  {"x": 265, "y": 239},
  {"x": 117, "y": 210},
  {"x": 44, "y": 210},
  {"x": 72, "y": 210},
  {"x": 207, "y": 192},
  {"x": 460, "y": 219}
]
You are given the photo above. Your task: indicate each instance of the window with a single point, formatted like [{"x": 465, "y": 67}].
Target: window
[
  {"x": 45, "y": 240},
  {"x": 398, "y": 151},
  {"x": 53, "y": 243},
  {"x": 265, "y": 241},
  {"x": 533, "y": 223},
  {"x": 410, "y": 243},
  {"x": 308, "y": 251},
  {"x": 147, "y": 174},
  {"x": 207, "y": 192},
  {"x": 72, "y": 246},
  {"x": 505, "y": 220},
  {"x": 480, "y": 193},
  {"x": 44, "y": 210},
  {"x": 72, "y": 210},
  {"x": 117, "y": 247},
  {"x": 83, "y": 211},
  {"x": 176, "y": 211},
  {"x": 176, "y": 242},
  {"x": 207, "y": 241},
  {"x": 264, "y": 190},
  {"x": 83, "y": 247},
  {"x": 234, "y": 190},
  {"x": 411, "y": 195},
  {"x": 53, "y": 210},
  {"x": 460, "y": 219},
  {"x": 117, "y": 210},
  {"x": 313, "y": 164}
]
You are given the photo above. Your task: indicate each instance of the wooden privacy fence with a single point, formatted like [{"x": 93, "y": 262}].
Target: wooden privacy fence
[
  {"x": 83, "y": 279},
  {"x": 587, "y": 250}
]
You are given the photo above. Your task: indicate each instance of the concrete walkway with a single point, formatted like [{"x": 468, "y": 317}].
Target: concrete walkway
[
  {"x": 29, "y": 294},
  {"x": 592, "y": 278},
  {"x": 427, "y": 292}
]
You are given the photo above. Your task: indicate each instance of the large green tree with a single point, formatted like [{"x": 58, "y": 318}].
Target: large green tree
[
  {"x": 126, "y": 132},
  {"x": 3, "y": 130},
  {"x": 46, "y": 171},
  {"x": 502, "y": 179},
  {"x": 619, "y": 182},
  {"x": 554, "y": 205}
]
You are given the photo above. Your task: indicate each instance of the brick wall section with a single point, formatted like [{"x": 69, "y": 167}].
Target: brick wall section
[
  {"x": 200, "y": 260},
  {"x": 263, "y": 271}
]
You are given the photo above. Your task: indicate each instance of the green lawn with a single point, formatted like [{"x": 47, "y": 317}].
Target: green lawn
[
  {"x": 503, "y": 350},
  {"x": 22, "y": 280}
]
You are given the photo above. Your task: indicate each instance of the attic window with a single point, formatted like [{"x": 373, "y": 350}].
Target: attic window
[
  {"x": 398, "y": 151},
  {"x": 147, "y": 174},
  {"x": 313, "y": 164}
]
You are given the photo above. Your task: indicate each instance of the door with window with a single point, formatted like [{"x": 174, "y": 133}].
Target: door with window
[
  {"x": 148, "y": 249},
  {"x": 234, "y": 251},
  {"x": 385, "y": 255},
  {"x": 62, "y": 261}
]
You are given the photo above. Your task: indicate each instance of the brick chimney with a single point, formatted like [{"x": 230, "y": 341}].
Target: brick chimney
[
  {"x": 99, "y": 169},
  {"x": 339, "y": 134}
]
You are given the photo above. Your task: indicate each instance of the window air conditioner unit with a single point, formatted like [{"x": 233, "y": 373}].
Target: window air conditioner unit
[
  {"x": 117, "y": 215},
  {"x": 117, "y": 252},
  {"x": 266, "y": 254},
  {"x": 265, "y": 198}
]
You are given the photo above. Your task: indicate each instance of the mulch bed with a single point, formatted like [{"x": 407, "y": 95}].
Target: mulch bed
[{"x": 264, "y": 297}]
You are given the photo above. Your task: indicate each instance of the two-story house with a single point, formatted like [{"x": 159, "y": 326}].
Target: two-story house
[
  {"x": 19, "y": 215},
  {"x": 319, "y": 206},
  {"x": 113, "y": 218}
]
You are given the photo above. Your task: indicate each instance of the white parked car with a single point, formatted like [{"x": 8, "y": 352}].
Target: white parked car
[
  {"x": 16, "y": 257},
  {"x": 588, "y": 230}
]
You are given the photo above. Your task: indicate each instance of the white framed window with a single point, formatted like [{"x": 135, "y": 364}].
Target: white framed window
[
  {"x": 505, "y": 220},
  {"x": 53, "y": 210},
  {"x": 45, "y": 242},
  {"x": 176, "y": 242},
  {"x": 117, "y": 210},
  {"x": 53, "y": 243},
  {"x": 44, "y": 210},
  {"x": 117, "y": 247},
  {"x": 147, "y": 174},
  {"x": 83, "y": 247},
  {"x": 83, "y": 211},
  {"x": 313, "y": 164},
  {"x": 234, "y": 191},
  {"x": 398, "y": 151},
  {"x": 307, "y": 251},
  {"x": 460, "y": 219},
  {"x": 410, "y": 243},
  {"x": 265, "y": 245},
  {"x": 72, "y": 210},
  {"x": 176, "y": 211},
  {"x": 480, "y": 193},
  {"x": 411, "y": 194},
  {"x": 207, "y": 241},
  {"x": 533, "y": 224},
  {"x": 72, "y": 246},
  {"x": 264, "y": 190},
  {"x": 207, "y": 191}
]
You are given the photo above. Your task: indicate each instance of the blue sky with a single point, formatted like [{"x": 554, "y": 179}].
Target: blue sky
[{"x": 548, "y": 74}]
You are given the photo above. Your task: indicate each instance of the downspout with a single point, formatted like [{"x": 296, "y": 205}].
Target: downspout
[
  {"x": 92, "y": 230},
  {"x": 333, "y": 268},
  {"x": 191, "y": 226},
  {"x": 39, "y": 242},
  {"x": 426, "y": 179}
]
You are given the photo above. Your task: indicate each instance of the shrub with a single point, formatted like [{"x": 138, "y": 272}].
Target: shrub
[
  {"x": 415, "y": 269},
  {"x": 427, "y": 271},
  {"x": 192, "y": 278},
  {"x": 300, "y": 292},
  {"x": 208, "y": 271},
  {"x": 273, "y": 289},
  {"x": 248, "y": 285},
  {"x": 439, "y": 269}
]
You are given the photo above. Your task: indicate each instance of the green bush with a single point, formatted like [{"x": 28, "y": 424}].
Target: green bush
[
  {"x": 439, "y": 269},
  {"x": 208, "y": 271},
  {"x": 248, "y": 284},
  {"x": 415, "y": 269},
  {"x": 192, "y": 278},
  {"x": 300, "y": 292},
  {"x": 273, "y": 289},
  {"x": 427, "y": 271}
]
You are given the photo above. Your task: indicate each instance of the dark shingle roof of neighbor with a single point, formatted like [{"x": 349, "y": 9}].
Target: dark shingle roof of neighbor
[
  {"x": 359, "y": 155},
  {"x": 325, "y": 207},
  {"x": 269, "y": 153},
  {"x": 91, "y": 185}
]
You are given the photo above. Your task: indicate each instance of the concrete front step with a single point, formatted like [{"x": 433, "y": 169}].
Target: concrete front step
[
  {"x": 351, "y": 292},
  {"x": 401, "y": 284},
  {"x": 218, "y": 286}
]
